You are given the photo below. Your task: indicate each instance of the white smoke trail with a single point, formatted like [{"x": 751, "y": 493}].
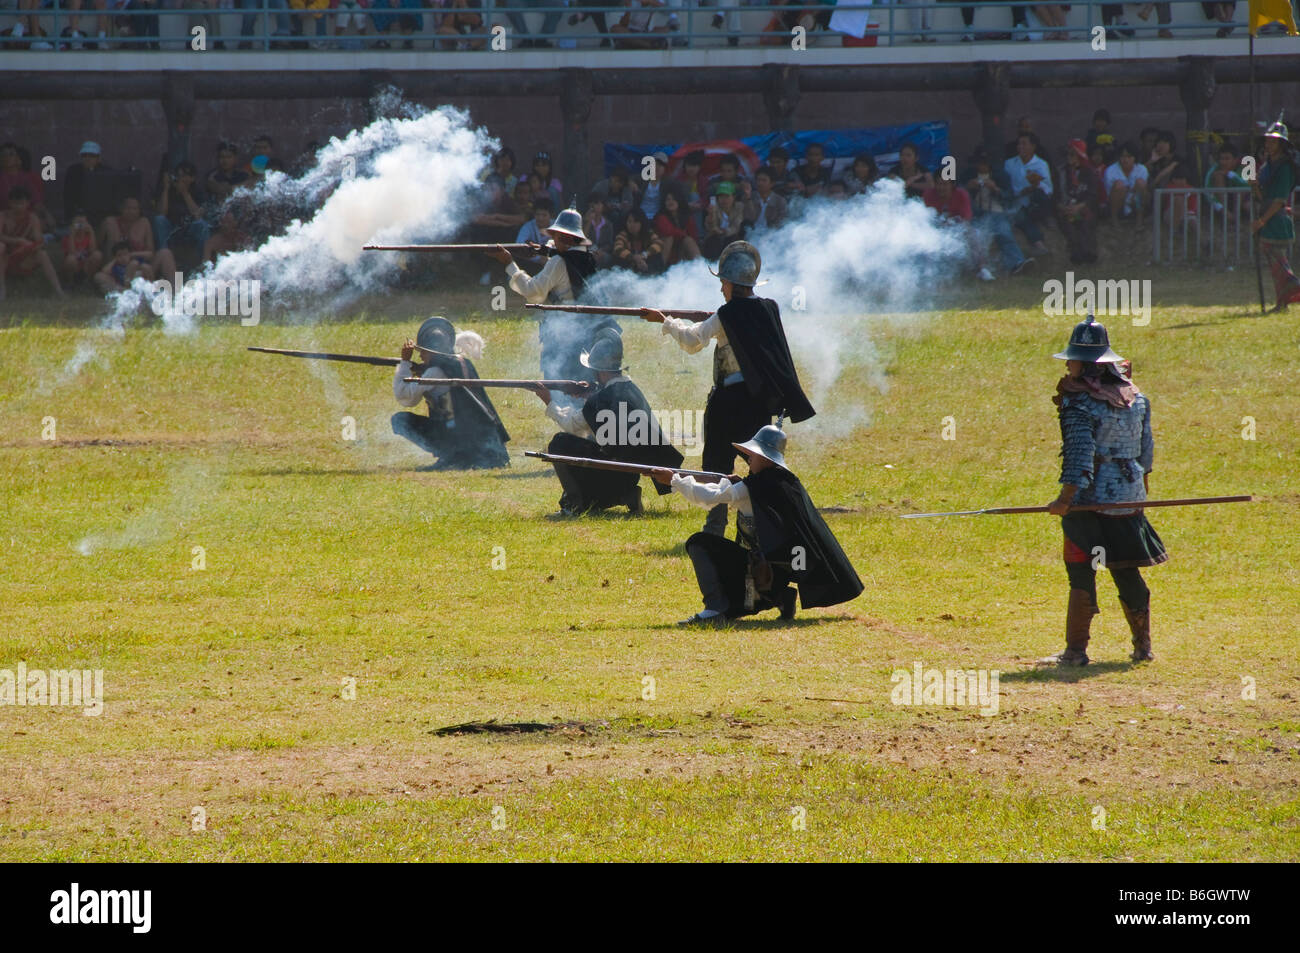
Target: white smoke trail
[
  {"x": 187, "y": 486},
  {"x": 876, "y": 254}
]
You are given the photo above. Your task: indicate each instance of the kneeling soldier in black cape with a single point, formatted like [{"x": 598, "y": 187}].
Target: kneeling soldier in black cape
[
  {"x": 754, "y": 376},
  {"x": 614, "y": 423},
  {"x": 462, "y": 429},
  {"x": 1107, "y": 450},
  {"x": 791, "y": 545}
]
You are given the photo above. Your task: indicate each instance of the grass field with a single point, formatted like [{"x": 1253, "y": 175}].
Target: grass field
[{"x": 228, "y": 688}]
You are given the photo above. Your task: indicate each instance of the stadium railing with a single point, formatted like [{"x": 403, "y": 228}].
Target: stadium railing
[
  {"x": 681, "y": 24},
  {"x": 1212, "y": 225}
]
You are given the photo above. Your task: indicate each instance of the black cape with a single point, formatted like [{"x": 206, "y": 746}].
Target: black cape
[
  {"x": 621, "y": 412},
  {"x": 477, "y": 421},
  {"x": 785, "y": 517},
  {"x": 754, "y": 330},
  {"x": 581, "y": 265}
]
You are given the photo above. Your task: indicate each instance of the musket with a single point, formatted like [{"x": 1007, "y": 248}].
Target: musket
[
  {"x": 696, "y": 316},
  {"x": 618, "y": 466},
  {"x": 1089, "y": 507},
  {"x": 566, "y": 386},
  {"x": 349, "y": 358},
  {"x": 514, "y": 249}
]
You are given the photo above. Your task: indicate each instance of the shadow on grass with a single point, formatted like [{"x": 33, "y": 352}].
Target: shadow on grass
[
  {"x": 612, "y": 515},
  {"x": 322, "y": 471},
  {"x": 745, "y": 623},
  {"x": 1051, "y": 673}
]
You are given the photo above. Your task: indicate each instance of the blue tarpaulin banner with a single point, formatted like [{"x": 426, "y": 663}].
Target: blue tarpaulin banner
[{"x": 882, "y": 142}]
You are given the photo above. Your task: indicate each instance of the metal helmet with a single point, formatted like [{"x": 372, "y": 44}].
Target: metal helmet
[
  {"x": 1278, "y": 130},
  {"x": 1089, "y": 343},
  {"x": 606, "y": 352},
  {"x": 437, "y": 334},
  {"x": 569, "y": 223},
  {"x": 739, "y": 263},
  {"x": 768, "y": 443}
]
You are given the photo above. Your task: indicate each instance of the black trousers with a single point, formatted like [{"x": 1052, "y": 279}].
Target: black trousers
[
  {"x": 425, "y": 432},
  {"x": 583, "y": 486},
  {"x": 455, "y": 450},
  {"x": 1133, "y": 591},
  {"x": 730, "y": 416},
  {"x": 721, "y": 566}
]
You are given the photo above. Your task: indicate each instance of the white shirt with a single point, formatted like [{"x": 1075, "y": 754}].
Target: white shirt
[
  {"x": 1115, "y": 174},
  {"x": 1018, "y": 171},
  {"x": 570, "y": 417},
  {"x": 552, "y": 279},
  {"x": 694, "y": 337},
  {"x": 408, "y": 395},
  {"x": 709, "y": 495}
]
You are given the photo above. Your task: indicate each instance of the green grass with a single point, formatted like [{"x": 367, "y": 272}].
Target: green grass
[{"x": 329, "y": 560}]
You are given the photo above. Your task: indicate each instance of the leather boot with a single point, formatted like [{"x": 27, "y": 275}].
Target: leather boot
[
  {"x": 1139, "y": 624},
  {"x": 1078, "y": 622}
]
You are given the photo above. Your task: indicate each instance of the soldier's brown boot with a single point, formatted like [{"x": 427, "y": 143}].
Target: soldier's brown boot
[
  {"x": 1078, "y": 622},
  {"x": 1139, "y": 624}
]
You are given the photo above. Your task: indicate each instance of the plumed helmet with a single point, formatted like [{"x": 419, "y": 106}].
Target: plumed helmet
[
  {"x": 768, "y": 443},
  {"x": 1278, "y": 130},
  {"x": 739, "y": 263},
  {"x": 606, "y": 352},
  {"x": 1089, "y": 343},
  {"x": 569, "y": 222},
  {"x": 437, "y": 334}
]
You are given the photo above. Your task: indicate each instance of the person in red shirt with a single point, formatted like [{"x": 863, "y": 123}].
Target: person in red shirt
[
  {"x": 952, "y": 203},
  {"x": 22, "y": 241},
  {"x": 13, "y": 174},
  {"x": 676, "y": 228}
]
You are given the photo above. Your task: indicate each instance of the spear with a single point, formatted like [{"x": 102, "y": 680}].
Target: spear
[{"x": 1089, "y": 507}]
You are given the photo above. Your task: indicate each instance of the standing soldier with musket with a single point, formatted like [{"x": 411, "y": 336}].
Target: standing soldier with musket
[
  {"x": 615, "y": 422},
  {"x": 561, "y": 280},
  {"x": 1276, "y": 232},
  {"x": 754, "y": 377},
  {"x": 790, "y": 544},
  {"x": 1107, "y": 451}
]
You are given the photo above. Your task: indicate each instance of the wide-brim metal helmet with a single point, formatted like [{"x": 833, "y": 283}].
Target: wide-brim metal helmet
[
  {"x": 606, "y": 352},
  {"x": 1089, "y": 343},
  {"x": 437, "y": 334},
  {"x": 569, "y": 223},
  {"x": 740, "y": 264},
  {"x": 768, "y": 443},
  {"x": 1278, "y": 130}
]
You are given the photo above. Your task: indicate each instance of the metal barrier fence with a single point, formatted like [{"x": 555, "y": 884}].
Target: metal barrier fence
[
  {"x": 434, "y": 24},
  {"x": 1192, "y": 224}
]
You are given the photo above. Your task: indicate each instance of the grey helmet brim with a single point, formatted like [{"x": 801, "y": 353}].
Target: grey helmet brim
[{"x": 752, "y": 446}]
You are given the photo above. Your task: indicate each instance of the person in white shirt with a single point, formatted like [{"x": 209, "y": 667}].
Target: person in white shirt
[
  {"x": 1031, "y": 190},
  {"x": 1125, "y": 184}
]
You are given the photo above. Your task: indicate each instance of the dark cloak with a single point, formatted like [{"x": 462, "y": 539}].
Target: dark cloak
[
  {"x": 477, "y": 421},
  {"x": 785, "y": 517},
  {"x": 655, "y": 453},
  {"x": 754, "y": 330}
]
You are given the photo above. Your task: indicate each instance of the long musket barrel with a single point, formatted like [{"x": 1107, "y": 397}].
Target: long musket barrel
[
  {"x": 696, "y": 316},
  {"x": 1089, "y": 507},
  {"x": 512, "y": 248},
  {"x": 620, "y": 467},
  {"x": 497, "y": 382},
  {"x": 347, "y": 358}
]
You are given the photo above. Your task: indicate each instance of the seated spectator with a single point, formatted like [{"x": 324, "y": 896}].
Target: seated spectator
[
  {"x": 724, "y": 223},
  {"x": 84, "y": 189},
  {"x": 534, "y": 230},
  {"x": 688, "y": 177},
  {"x": 989, "y": 187},
  {"x": 248, "y": 22},
  {"x": 388, "y": 21},
  {"x": 73, "y": 33},
  {"x": 1125, "y": 185},
  {"x": 1222, "y": 12},
  {"x": 142, "y": 24},
  {"x": 463, "y": 19},
  {"x": 618, "y": 193},
  {"x": 914, "y": 176},
  {"x": 550, "y": 21},
  {"x": 1031, "y": 191},
  {"x": 863, "y": 174},
  {"x": 952, "y": 204},
  {"x": 1052, "y": 15},
  {"x": 550, "y": 185},
  {"x": 310, "y": 21},
  {"x": 351, "y": 14},
  {"x": 1164, "y": 15},
  {"x": 812, "y": 176},
  {"x": 179, "y": 209},
  {"x": 225, "y": 178},
  {"x": 1160, "y": 165},
  {"x": 81, "y": 258},
  {"x": 500, "y": 218},
  {"x": 784, "y": 182},
  {"x": 1180, "y": 205},
  {"x": 597, "y": 17},
  {"x": 637, "y": 247},
  {"x": 1077, "y": 204},
  {"x": 524, "y": 197},
  {"x": 22, "y": 241},
  {"x": 1099, "y": 159},
  {"x": 15, "y": 170},
  {"x": 1100, "y": 134},
  {"x": 790, "y": 15},
  {"x": 503, "y": 170},
  {"x": 729, "y": 171},
  {"x": 651, "y": 191},
  {"x": 1025, "y": 126},
  {"x": 130, "y": 226},
  {"x": 228, "y": 237},
  {"x": 1225, "y": 174},
  {"x": 600, "y": 230},
  {"x": 676, "y": 229},
  {"x": 1147, "y": 143},
  {"x": 764, "y": 208},
  {"x": 636, "y": 28},
  {"x": 262, "y": 159},
  {"x": 120, "y": 271}
]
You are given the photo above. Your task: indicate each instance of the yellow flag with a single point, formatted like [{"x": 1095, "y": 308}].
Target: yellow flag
[{"x": 1264, "y": 12}]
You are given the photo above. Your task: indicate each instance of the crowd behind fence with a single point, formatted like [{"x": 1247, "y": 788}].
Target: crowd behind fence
[{"x": 353, "y": 25}]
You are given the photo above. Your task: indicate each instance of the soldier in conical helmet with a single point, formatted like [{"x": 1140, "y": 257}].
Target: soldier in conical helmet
[
  {"x": 1273, "y": 187},
  {"x": 1107, "y": 450}
]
